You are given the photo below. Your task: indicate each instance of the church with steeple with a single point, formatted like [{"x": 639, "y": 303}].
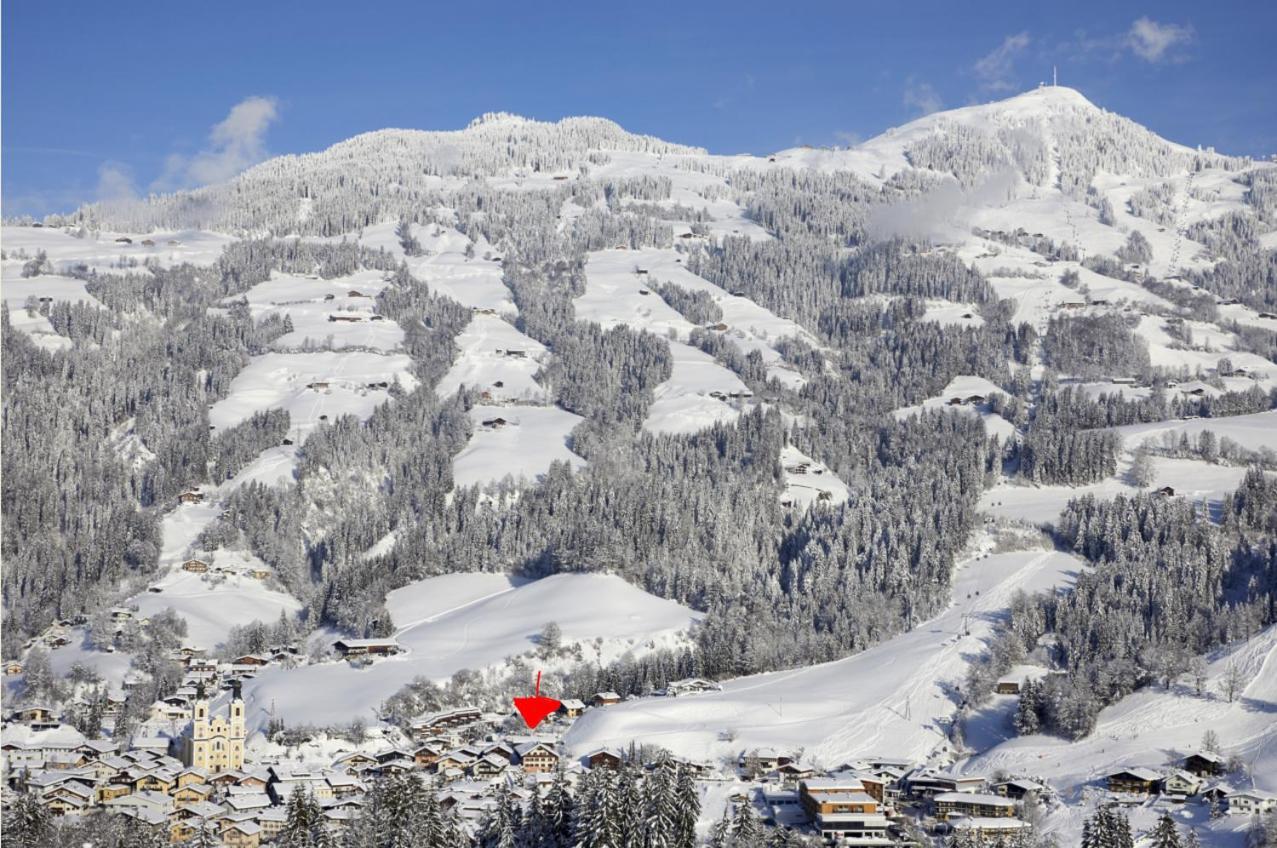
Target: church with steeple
[{"x": 215, "y": 744}]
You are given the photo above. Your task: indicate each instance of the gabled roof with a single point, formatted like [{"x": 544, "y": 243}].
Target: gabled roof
[{"x": 1137, "y": 773}]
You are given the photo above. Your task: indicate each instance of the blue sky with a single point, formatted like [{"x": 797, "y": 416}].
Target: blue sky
[{"x": 106, "y": 99}]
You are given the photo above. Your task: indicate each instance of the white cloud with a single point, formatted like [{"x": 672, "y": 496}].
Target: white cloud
[
  {"x": 996, "y": 69},
  {"x": 236, "y": 143},
  {"x": 922, "y": 97},
  {"x": 115, "y": 184},
  {"x": 1154, "y": 42}
]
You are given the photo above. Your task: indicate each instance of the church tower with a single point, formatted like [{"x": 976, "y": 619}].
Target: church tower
[{"x": 216, "y": 743}]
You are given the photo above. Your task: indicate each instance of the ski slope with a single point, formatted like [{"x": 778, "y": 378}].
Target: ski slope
[
  {"x": 891, "y": 699},
  {"x": 470, "y": 621}
]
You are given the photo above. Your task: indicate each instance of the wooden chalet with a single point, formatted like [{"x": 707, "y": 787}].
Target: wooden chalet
[
  {"x": 195, "y": 566},
  {"x": 1139, "y": 781},
  {"x": 190, "y": 496},
  {"x": 606, "y": 699},
  {"x": 538, "y": 757},
  {"x": 1017, "y": 790},
  {"x": 603, "y": 758},
  {"x": 366, "y": 647},
  {"x": 1204, "y": 764}
]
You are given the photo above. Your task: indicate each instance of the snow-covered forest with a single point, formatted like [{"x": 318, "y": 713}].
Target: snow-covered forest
[{"x": 795, "y": 395}]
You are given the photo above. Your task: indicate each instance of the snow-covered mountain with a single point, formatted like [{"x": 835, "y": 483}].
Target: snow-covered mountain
[{"x": 794, "y": 421}]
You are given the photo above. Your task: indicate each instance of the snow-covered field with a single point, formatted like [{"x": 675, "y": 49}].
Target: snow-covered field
[
  {"x": 18, "y": 290},
  {"x": 893, "y": 699},
  {"x": 311, "y": 303},
  {"x": 470, "y": 621},
  {"x": 102, "y": 251},
  {"x": 967, "y": 395},
  {"x": 495, "y": 358},
  {"x": 523, "y": 447},
  {"x": 811, "y": 484},
  {"x": 211, "y": 607},
  {"x": 617, "y": 293},
  {"x": 284, "y": 380}
]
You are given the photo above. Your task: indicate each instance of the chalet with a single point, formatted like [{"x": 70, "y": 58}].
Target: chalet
[
  {"x": 1249, "y": 802},
  {"x": 68, "y": 799},
  {"x": 606, "y": 699},
  {"x": 196, "y": 566},
  {"x": 981, "y": 829},
  {"x": 1016, "y": 789},
  {"x": 348, "y": 319},
  {"x": 1204, "y": 763},
  {"x": 366, "y": 647},
  {"x": 355, "y": 293},
  {"x": 489, "y": 766},
  {"x": 242, "y": 834},
  {"x": 1165, "y": 491},
  {"x": 1072, "y": 304},
  {"x": 538, "y": 757},
  {"x": 973, "y": 804},
  {"x": 691, "y": 686},
  {"x": 603, "y": 758},
  {"x": 1268, "y": 315},
  {"x": 124, "y": 240},
  {"x": 1140, "y": 781},
  {"x": 357, "y": 761},
  {"x": 423, "y": 755},
  {"x": 190, "y": 497},
  {"x": 790, "y": 774},
  {"x": 517, "y": 354},
  {"x": 763, "y": 759},
  {"x": 318, "y": 385},
  {"x": 250, "y": 659},
  {"x": 1007, "y": 687},
  {"x": 377, "y": 318},
  {"x": 843, "y": 812},
  {"x": 148, "y": 243},
  {"x": 436, "y": 723},
  {"x": 494, "y": 423},
  {"x": 571, "y": 707},
  {"x": 927, "y": 782},
  {"x": 13, "y": 667},
  {"x": 1180, "y": 784},
  {"x": 35, "y": 715},
  {"x": 330, "y": 297},
  {"x": 1122, "y": 381}
]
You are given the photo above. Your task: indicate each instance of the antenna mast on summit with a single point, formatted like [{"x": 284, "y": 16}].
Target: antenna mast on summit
[{"x": 1055, "y": 77}]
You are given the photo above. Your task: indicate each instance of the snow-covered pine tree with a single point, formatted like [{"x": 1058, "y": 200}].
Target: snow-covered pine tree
[{"x": 1165, "y": 834}]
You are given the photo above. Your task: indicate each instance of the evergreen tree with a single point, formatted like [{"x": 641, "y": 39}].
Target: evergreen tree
[
  {"x": 746, "y": 828},
  {"x": 28, "y": 821},
  {"x": 1165, "y": 834},
  {"x": 688, "y": 810}
]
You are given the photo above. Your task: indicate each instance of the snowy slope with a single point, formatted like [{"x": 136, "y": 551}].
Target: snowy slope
[
  {"x": 892, "y": 699},
  {"x": 523, "y": 447},
  {"x": 470, "y": 621}
]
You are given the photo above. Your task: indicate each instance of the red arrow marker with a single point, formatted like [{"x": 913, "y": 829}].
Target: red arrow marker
[{"x": 535, "y": 709}]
